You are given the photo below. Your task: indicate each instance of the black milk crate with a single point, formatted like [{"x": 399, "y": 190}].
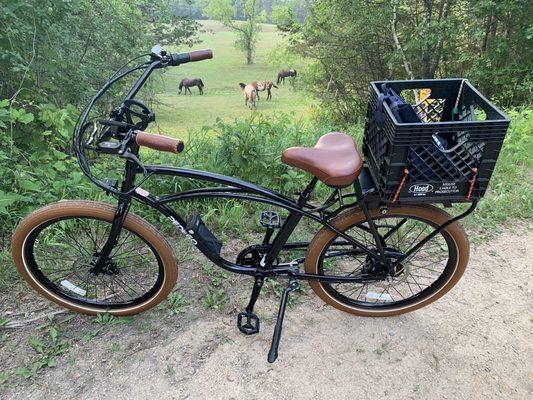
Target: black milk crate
[{"x": 408, "y": 161}]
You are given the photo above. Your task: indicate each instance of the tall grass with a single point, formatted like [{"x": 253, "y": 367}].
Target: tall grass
[{"x": 510, "y": 194}]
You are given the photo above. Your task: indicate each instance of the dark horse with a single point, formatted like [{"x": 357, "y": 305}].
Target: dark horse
[
  {"x": 284, "y": 74},
  {"x": 189, "y": 82}
]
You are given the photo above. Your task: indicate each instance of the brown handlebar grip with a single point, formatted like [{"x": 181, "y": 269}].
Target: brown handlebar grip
[
  {"x": 199, "y": 55},
  {"x": 159, "y": 142}
]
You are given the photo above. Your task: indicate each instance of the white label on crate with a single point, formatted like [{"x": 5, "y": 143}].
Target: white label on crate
[
  {"x": 70, "y": 286},
  {"x": 447, "y": 188},
  {"x": 378, "y": 296}
]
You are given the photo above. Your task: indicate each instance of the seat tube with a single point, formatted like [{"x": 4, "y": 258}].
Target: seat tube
[{"x": 288, "y": 226}]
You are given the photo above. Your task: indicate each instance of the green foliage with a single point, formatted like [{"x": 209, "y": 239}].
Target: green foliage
[
  {"x": 510, "y": 194},
  {"x": 251, "y": 149},
  {"x": 352, "y": 42},
  {"x": 247, "y": 31},
  {"x": 283, "y": 57},
  {"x": 47, "y": 352},
  {"x": 220, "y": 10},
  {"x": 36, "y": 166},
  {"x": 166, "y": 28},
  {"x": 58, "y": 51},
  {"x": 176, "y": 302},
  {"x": 195, "y": 8},
  {"x": 215, "y": 299},
  {"x": 284, "y": 17},
  {"x": 109, "y": 319}
]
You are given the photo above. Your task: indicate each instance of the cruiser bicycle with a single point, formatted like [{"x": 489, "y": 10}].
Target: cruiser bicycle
[{"x": 371, "y": 257}]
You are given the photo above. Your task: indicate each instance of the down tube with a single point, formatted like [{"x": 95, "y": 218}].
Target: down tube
[{"x": 180, "y": 223}]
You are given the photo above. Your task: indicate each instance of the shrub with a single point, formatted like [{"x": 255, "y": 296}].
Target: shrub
[{"x": 36, "y": 164}]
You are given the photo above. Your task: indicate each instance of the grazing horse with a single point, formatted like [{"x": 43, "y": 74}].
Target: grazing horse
[
  {"x": 187, "y": 83},
  {"x": 250, "y": 95},
  {"x": 284, "y": 74},
  {"x": 262, "y": 86}
]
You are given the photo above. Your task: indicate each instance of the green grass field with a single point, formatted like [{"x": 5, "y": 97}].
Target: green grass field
[{"x": 221, "y": 76}]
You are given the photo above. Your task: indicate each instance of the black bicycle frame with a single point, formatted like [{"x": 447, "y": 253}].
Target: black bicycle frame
[
  {"x": 238, "y": 189},
  {"x": 233, "y": 188}
]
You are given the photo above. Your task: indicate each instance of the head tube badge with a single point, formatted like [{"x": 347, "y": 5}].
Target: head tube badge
[{"x": 141, "y": 192}]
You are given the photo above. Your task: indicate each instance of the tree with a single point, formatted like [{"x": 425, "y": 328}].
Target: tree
[
  {"x": 352, "y": 42},
  {"x": 43, "y": 59},
  {"x": 247, "y": 30},
  {"x": 284, "y": 16}
]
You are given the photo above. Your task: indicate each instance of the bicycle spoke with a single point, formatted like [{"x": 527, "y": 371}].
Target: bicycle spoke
[
  {"x": 64, "y": 252},
  {"x": 412, "y": 276}
]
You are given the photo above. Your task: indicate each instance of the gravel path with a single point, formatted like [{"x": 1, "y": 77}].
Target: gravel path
[{"x": 475, "y": 343}]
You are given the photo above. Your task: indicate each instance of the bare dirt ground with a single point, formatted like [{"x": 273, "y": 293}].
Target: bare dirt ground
[{"x": 475, "y": 343}]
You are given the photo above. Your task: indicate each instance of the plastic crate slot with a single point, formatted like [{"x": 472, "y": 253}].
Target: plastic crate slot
[{"x": 430, "y": 110}]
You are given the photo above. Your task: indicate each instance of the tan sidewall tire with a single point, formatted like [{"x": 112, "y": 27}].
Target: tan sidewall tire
[
  {"x": 105, "y": 212},
  {"x": 351, "y": 217}
]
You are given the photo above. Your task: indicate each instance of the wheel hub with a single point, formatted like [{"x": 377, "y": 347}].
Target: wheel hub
[
  {"x": 376, "y": 269},
  {"x": 110, "y": 267}
]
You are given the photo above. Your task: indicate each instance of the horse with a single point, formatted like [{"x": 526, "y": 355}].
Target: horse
[
  {"x": 262, "y": 86},
  {"x": 284, "y": 74},
  {"x": 188, "y": 83},
  {"x": 250, "y": 95}
]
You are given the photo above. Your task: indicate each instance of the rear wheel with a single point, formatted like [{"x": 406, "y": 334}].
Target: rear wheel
[
  {"x": 421, "y": 279},
  {"x": 55, "y": 249}
]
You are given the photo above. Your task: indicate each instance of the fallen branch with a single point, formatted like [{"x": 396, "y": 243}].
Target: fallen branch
[{"x": 25, "y": 322}]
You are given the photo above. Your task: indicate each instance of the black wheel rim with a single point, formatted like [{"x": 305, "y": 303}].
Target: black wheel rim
[
  {"x": 60, "y": 261},
  {"x": 421, "y": 276}
]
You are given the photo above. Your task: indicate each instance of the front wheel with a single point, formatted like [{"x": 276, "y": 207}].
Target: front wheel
[
  {"x": 55, "y": 247},
  {"x": 420, "y": 279}
]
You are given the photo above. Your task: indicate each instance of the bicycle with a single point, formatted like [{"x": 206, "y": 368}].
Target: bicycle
[{"x": 370, "y": 258}]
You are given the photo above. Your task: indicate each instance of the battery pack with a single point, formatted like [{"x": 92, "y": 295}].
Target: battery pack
[{"x": 203, "y": 235}]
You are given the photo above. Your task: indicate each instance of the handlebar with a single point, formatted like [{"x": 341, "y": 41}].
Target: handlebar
[
  {"x": 197, "y": 55},
  {"x": 120, "y": 131},
  {"x": 159, "y": 142}
]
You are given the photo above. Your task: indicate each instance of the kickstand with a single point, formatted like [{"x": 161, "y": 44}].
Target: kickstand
[{"x": 273, "y": 353}]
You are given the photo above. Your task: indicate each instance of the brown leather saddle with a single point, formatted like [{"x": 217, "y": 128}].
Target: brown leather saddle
[{"x": 334, "y": 159}]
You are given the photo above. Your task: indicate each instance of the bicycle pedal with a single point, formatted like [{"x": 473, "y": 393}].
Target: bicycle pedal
[
  {"x": 270, "y": 219},
  {"x": 248, "y": 323}
]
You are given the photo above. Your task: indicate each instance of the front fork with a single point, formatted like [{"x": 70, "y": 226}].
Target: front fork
[
  {"x": 121, "y": 213},
  {"x": 116, "y": 228}
]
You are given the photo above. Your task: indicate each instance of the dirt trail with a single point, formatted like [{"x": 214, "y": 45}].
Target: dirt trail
[{"x": 475, "y": 343}]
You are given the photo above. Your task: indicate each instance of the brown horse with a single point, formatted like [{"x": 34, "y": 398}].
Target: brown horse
[
  {"x": 284, "y": 74},
  {"x": 262, "y": 86},
  {"x": 187, "y": 83},
  {"x": 250, "y": 95}
]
